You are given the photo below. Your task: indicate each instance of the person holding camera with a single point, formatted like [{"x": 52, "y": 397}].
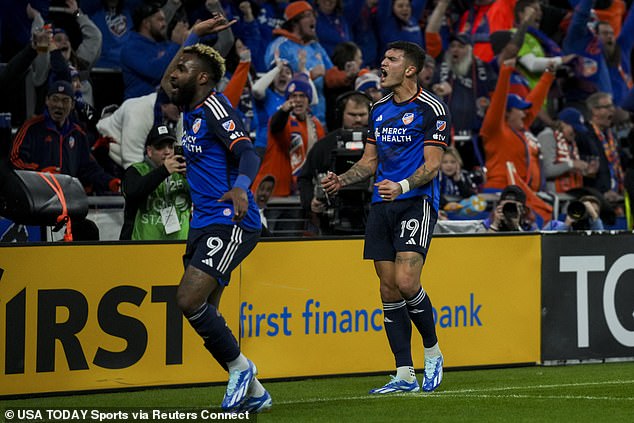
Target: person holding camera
[
  {"x": 581, "y": 215},
  {"x": 157, "y": 201},
  {"x": 511, "y": 213},
  {"x": 353, "y": 109}
]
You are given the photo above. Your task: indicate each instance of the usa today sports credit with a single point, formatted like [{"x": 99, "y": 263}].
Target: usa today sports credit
[{"x": 104, "y": 415}]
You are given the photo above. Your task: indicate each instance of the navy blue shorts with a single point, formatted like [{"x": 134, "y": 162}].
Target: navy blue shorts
[
  {"x": 218, "y": 249},
  {"x": 401, "y": 225}
]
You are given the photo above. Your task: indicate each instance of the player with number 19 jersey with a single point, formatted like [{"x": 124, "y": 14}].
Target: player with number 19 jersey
[
  {"x": 211, "y": 131},
  {"x": 400, "y": 131}
]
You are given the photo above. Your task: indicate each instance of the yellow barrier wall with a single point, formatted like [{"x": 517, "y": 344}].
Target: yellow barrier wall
[{"x": 306, "y": 307}]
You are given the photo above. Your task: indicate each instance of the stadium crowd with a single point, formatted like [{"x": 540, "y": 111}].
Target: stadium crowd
[{"x": 540, "y": 92}]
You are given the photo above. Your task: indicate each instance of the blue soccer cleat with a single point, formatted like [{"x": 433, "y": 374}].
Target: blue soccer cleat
[
  {"x": 396, "y": 385},
  {"x": 432, "y": 375},
  {"x": 257, "y": 404},
  {"x": 238, "y": 386}
]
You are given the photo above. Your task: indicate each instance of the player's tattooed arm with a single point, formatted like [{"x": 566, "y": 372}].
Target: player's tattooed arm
[
  {"x": 428, "y": 171},
  {"x": 363, "y": 169},
  {"x": 358, "y": 172}
]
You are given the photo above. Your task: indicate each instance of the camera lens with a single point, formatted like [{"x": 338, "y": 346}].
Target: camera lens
[
  {"x": 510, "y": 211},
  {"x": 576, "y": 210}
]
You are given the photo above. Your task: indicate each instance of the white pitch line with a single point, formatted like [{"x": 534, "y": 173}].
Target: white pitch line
[{"x": 480, "y": 393}]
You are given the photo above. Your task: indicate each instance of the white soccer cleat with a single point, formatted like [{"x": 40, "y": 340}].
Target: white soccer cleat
[
  {"x": 432, "y": 375},
  {"x": 396, "y": 385},
  {"x": 238, "y": 386}
]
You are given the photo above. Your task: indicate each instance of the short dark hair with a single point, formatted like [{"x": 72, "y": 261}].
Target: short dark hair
[
  {"x": 213, "y": 63},
  {"x": 412, "y": 52},
  {"x": 343, "y": 53},
  {"x": 520, "y": 6}
]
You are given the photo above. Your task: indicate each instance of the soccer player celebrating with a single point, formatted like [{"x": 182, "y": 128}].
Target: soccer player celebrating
[
  {"x": 225, "y": 227},
  {"x": 408, "y": 132}
]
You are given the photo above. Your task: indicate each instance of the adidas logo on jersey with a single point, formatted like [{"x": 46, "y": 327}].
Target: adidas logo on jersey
[
  {"x": 209, "y": 262},
  {"x": 386, "y": 320},
  {"x": 411, "y": 242},
  {"x": 379, "y": 119}
]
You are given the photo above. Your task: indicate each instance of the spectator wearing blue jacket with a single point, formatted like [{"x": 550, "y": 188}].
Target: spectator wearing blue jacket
[
  {"x": 147, "y": 53},
  {"x": 298, "y": 33},
  {"x": 114, "y": 20},
  {"x": 361, "y": 18},
  {"x": 399, "y": 21},
  {"x": 592, "y": 69},
  {"x": 617, "y": 52},
  {"x": 332, "y": 28}
]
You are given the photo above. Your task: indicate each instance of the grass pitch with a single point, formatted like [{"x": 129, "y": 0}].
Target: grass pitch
[{"x": 579, "y": 393}]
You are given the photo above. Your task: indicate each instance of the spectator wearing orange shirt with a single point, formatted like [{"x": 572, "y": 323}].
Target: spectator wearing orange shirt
[{"x": 508, "y": 139}]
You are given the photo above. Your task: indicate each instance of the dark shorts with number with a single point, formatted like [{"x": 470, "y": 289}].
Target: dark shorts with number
[
  {"x": 402, "y": 225},
  {"x": 218, "y": 249}
]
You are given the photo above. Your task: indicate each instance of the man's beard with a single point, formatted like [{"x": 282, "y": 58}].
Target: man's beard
[
  {"x": 158, "y": 36},
  {"x": 185, "y": 94},
  {"x": 463, "y": 66},
  {"x": 614, "y": 57}
]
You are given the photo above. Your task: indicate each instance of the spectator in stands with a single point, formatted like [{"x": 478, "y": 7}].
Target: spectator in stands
[
  {"x": 54, "y": 143},
  {"x": 369, "y": 82},
  {"x": 591, "y": 68},
  {"x": 465, "y": 83},
  {"x": 128, "y": 127},
  {"x": 398, "y": 20},
  {"x": 114, "y": 20},
  {"x": 147, "y": 53},
  {"x": 249, "y": 30},
  {"x": 293, "y": 131},
  {"x": 562, "y": 165},
  {"x": 511, "y": 213},
  {"x": 271, "y": 16},
  {"x": 340, "y": 78},
  {"x": 15, "y": 70},
  {"x": 51, "y": 67},
  {"x": 426, "y": 75},
  {"x": 269, "y": 94},
  {"x": 581, "y": 215},
  {"x": 538, "y": 50},
  {"x": 332, "y": 29},
  {"x": 361, "y": 18},
  {"x": 603, "y": 144},
  {"x": 296, "y": 34},
  {"x": 508, "y": 139},
  {"x": 354, "y": 109},
  {"x": 157, "y": 201},
  {"x": 482, "y": 19},
  {"x": 455, "y": 183},
  {"x": 262, "y": 195},
  {"x": 617, "y": 52}
]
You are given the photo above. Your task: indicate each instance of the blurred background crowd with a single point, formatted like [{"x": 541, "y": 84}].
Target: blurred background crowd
[{"x": 540, "y": 93}]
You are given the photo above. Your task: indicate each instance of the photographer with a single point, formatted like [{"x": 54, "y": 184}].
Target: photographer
[
  {"x": 157, "y": 199},
  {"x": 353, "y": 110},
  {"x": 581, "y": 215},
  {"x": 511, "y": 213}
]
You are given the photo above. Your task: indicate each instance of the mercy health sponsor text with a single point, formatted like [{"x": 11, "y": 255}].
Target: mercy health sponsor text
[{"x": 84, "y": 415}]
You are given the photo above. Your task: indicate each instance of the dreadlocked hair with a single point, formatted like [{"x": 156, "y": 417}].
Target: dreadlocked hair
[{"x": 212, "y": 61}]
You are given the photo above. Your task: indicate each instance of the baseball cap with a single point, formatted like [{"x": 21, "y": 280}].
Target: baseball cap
[
  {"x": 514, "y": 101},
  {"x": 60, "y": 87},
  {"x": 145, "y": 10},
  {"x": 296, "y": 8},
  {"x": 160, "y": 134},
  {"x": 574, "y": 118},
  {"x": 366, "y": 81},
  {"x": 462, "y": 38},
  {"x": 513, "y": 192},
  {"x": 299, "y": 83},
  {"x": 499, "y": 40}
]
